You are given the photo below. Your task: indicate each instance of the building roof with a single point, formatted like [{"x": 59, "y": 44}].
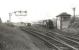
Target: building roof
[{"x": 64, "y": 14}]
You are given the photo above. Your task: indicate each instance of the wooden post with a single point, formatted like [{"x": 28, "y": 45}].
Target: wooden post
[
  {"x": 10, "y": 17},
  {"x": 61, "y": 23},
  {"x": 56, "y": 22},
  {"x": 74, "y": 14}
]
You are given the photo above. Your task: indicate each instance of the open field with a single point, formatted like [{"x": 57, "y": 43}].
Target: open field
[{"x": 14, "y": 39}]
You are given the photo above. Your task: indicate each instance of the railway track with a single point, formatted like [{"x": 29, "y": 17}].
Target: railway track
[
  {"x": 72, "y": 42},
  {"x": 69, "y": 39},
  {"x": 58, "y": 32},
  {"x": 42, "y": 38},
  {"x": 75, "y": 37},
  {"x": 55, "y": 41}
]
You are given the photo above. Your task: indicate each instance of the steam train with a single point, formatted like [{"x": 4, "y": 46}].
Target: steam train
[{"x": 47, "y": 24}]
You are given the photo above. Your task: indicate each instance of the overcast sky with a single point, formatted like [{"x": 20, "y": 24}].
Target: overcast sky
[{"x": 36, "y": 9}]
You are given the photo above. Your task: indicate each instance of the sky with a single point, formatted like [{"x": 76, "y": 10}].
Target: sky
[{"x": 36, "y": 9}]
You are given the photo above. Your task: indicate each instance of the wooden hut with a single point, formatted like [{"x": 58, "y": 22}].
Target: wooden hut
[{"x": 63, "y": 20}]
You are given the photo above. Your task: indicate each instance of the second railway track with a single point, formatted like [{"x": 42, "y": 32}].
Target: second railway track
[{"x": 52, "y": 41}]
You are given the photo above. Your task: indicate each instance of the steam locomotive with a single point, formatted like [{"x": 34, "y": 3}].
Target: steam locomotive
[{"x": 47, "y": 24}]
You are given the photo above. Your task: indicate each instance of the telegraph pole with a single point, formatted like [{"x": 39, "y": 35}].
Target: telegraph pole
[
  {"x": 10, "y": 17},
  {"x": 74, "y": 13}
]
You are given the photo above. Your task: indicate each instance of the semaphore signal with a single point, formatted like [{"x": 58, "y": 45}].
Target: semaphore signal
[
  {"x": 17, "y": 13},
  {"x": 21, "y": 13}
]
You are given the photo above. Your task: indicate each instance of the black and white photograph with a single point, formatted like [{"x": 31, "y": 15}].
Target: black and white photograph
[{"x": 39, "y": 24}]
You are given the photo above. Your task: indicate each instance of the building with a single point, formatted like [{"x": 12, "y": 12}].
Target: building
[{"x": 63, "y": 20}]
